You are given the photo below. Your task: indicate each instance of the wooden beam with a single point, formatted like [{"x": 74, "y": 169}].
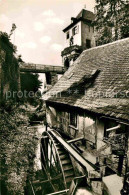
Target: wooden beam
[
  {"x": 59, "y": 192},
  {"x": 114, "y": 128},
  {"x": 75, "y": 140}
]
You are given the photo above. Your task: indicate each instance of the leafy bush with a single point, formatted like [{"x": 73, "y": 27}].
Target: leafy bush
[{"x": 18, "y": 144}]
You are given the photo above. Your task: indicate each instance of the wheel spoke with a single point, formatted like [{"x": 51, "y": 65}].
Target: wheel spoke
[
  {"x": 44, "y": 160},
  {"x": 46, "y": 153},
  {"x": 46, "y": 171},
  {"x": 54, "y": 166},
  {"x": 51, "y": 156}
]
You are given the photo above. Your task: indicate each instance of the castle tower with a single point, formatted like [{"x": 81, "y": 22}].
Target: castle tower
[{"x": 79, "y": 35}]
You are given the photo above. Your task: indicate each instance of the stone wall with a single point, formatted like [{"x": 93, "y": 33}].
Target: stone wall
[
  {"x": 9, "y": 67},
  {"x": 2, "y": 59}
]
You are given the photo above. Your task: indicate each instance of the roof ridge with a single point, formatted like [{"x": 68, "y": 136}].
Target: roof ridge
[{"x": 86, "y": 10}]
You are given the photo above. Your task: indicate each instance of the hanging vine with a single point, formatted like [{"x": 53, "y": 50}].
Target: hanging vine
[{"x": 10, "y": 63}]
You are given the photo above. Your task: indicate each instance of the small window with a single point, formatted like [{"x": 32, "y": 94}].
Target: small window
[
  {"x": 66, "y": 63},
  {"x": 88, "y": 43},
  {"x": 75, "y": 30},
  {"x": 73, "y": 119},
  {"x": 67, "y": 35},
  {"x": 71, "y": 41}
]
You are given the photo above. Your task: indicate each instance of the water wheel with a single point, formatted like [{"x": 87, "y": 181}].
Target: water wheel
[{"x": 56, "y": 163}]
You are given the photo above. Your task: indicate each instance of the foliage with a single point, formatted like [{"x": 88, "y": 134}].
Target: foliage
[
  {"x": 39, "y": 114},
  {"x": 30, "y": 82},
  {"x": 112, "y": 19},
  {"x": 5, "y": 42},
  {"x": 18, "y": 144},
  {"x": 10, "y": 66}
]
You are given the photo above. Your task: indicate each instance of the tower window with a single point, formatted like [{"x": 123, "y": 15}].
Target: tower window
[
  {"x": 67, "y": 35},
  {"x": 88, "y": 43},
  {"x": 75, "y": 30}
]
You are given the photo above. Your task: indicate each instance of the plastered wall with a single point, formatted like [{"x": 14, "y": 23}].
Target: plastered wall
[{"x": 76, "y": 37}]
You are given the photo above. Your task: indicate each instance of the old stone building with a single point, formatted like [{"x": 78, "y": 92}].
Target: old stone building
[
  {"x": 91, "y": 101},
  {"x": 79, "y": 35}
]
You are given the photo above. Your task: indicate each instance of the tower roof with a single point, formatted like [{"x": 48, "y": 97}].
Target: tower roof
[{"x": 84, "y": 15}]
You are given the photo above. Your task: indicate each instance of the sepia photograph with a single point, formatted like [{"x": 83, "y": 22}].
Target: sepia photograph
[{"x": 64, "y": 97}]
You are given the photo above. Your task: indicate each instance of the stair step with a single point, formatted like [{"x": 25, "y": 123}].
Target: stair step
[
  {"x": 59, "y": 147},
  {"x": 69, "y": 173},
  {"x": 55, "y": 140},
  {"x": 56, "y": 143},
  {"x": 64, "y": 156},
  {"x": 60, "y": 151},
  {"x": 69, "y": 179},
  {"x": 69, "y": 184},
  {"x": 36, "y": 181},
  {"x": 39, "y": 188},
  {"x": 67, "y": 161},
  {"x": 67, "y": 167}
]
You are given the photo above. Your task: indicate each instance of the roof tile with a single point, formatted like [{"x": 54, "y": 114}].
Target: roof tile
[{"x": 105, "y": 92}]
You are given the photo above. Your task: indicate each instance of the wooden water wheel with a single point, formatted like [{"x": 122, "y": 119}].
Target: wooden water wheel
[{"x": 56, "y": 163}]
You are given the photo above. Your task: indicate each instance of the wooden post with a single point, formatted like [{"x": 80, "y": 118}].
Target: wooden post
[
  {"x": 120, "y": 165},
  {"x": 125, "y": 189}
]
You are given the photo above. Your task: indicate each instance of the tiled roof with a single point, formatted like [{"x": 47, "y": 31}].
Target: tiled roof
[
  {"x": 98, "y": 81},
  {"x": 84, "y": 15}
]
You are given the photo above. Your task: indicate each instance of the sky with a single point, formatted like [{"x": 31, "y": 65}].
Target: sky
[{"x": 38, "y": 36}]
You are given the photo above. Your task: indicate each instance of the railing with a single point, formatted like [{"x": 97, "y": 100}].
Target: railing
[
  {"x": 40, "y": 68},
  {"x": 80, "y": 159}
]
